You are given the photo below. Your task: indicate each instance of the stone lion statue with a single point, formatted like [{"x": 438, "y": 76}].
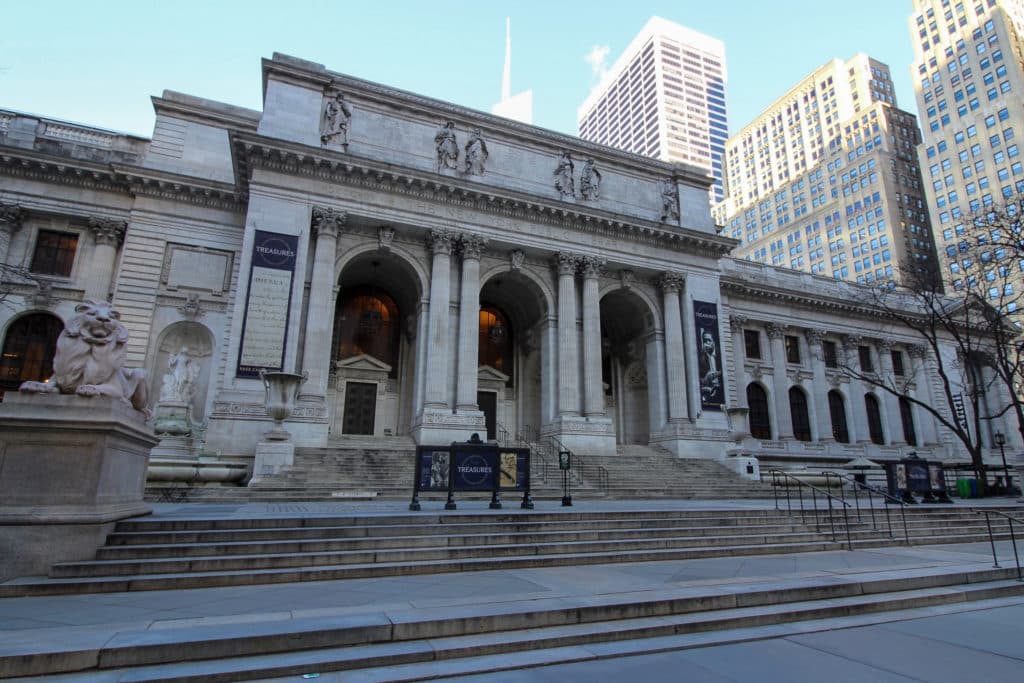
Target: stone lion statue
[{"x": 90, "y": 359}]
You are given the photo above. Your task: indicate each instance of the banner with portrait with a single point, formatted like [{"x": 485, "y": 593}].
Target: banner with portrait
[{"x": 709, "y": 355}]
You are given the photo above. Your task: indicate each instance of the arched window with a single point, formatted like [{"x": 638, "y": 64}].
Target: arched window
[
  {"x": 874, "y": 419},
  {"x": 798, "y": 409},
  {"x": 907, "y": 417},
  {"x": 495, "y": 340},
  {"x": 757, "y": 402},
  {"x": 28, "y": 349},
  {"x": 837, "y": 410},
  {"x": 367, "y": 322}
]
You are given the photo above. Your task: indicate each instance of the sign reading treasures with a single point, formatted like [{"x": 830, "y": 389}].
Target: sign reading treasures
[
  {"x": 709, "y": 355},
  {"x": 268, "y": 304}
]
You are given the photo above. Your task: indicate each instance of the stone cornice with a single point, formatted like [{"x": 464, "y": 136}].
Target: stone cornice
[
  {"x": 255, "y": 151},
  {"x": 189, "y": 108},
  {"x": 131, "y": 180},
  {"x": 795, "y": 298}
]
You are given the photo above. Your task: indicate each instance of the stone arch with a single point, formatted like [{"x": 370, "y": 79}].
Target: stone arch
[
  {"x": 29, "y": 345},
  {"x": 631, "y": 369},
  {"x": 189, "y": 346},
  {"x": 404, "y": 260}
]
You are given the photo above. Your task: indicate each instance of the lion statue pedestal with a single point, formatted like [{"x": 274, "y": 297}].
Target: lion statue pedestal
[{"x": 74, "y": 450}]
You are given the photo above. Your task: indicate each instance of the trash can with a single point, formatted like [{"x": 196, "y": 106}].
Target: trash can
[
  {"x": 974, "y": 487},
  {"x": 963, "y": 489}
]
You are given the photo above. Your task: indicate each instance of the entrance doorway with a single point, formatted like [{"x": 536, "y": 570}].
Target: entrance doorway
[
  {"x": 488, "y": 402},
  {"x": 360, "y": 407}
]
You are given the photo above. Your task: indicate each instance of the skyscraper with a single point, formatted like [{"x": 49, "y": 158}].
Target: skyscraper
[
  {"x": 969, "y": 86},
  {"x": 518, "y": 107},
  {"x": 826, "y": 179},
  {"x": 664, "y": 98}
]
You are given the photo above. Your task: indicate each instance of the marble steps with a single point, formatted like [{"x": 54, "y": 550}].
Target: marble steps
[{"x": 418, "y": 644}]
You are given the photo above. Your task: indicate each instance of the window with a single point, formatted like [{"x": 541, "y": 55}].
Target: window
[
  {"x": 757, "y": 402},
  {"x": 897, "y": 363},
  {"x": 54, "y": 253},
  {"x": 874, "y": 419},
  {"x": 865, "y": 358},
  {"x": 29, "y": 349},
  {"x": 798, "y": 411},
  {"x": 837, "y": 411},
  {"x": 495, "y": 340},
  {"x": 907, "y": 418},
  {"x": 792, "y": 349},
  {"x": 752, "y": 343},
  {"x": 367, "y": 321}
]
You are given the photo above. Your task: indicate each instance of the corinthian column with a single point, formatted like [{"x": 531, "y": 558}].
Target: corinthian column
[
  {"x": 593, "y": 390},
  {"x": 819, "y": 401},
  {"x": 316, "y": 354},
  {"x": 924, "y": 422},
  {"x": 11, "y": 218},
  {"x": 469, "y": 322},
  {"x": 890, "y": 404},
  {"x": 780, "y": 382},
  {"x": 441, "y": 243},
  {"x": 568, "y": 364},
  {"x": 675, "y": 363},
  {"x": 736, "y": 323},
  {"x": 858, "y": 410},
  {"x": 108, "y": 236}
]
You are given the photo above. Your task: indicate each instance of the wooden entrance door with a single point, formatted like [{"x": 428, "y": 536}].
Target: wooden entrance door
[
  {"x": 488, "y": 402},
  {"x": 360, "y": 407}
]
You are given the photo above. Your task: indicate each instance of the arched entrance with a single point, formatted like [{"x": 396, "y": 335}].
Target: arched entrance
[
  {"x": 29, "y": 347},
  {"x": 626, "y": 327},
  {"x": 373, "y": 348}
]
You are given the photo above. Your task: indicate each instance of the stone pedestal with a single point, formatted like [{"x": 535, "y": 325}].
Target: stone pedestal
[
  {"x": 69, "y": 468},
  {"x": 271, "y": 458},
  {"x": 584, "y": 435},
  {"x": 442, "y": 426}
]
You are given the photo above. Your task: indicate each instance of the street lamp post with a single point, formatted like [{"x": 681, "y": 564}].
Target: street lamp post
[{"x": 1000, "y": 439}]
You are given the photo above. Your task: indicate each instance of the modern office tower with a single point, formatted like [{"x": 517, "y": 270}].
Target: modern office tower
[
  {"x": 664, "y": 98},
  {"x": 826, "y": 179},
  {"x": 518, "y": 107},
  {"x": 969, "y": 85}
]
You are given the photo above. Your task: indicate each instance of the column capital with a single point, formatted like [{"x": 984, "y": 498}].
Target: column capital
[
  {"x": 916, "y": 350},
  {"x": 107, "y": 231},
  {"x": 737, "y": 322},
  {"x": 884, "y": 345},
  {"x": 472, "y": 245},
  {"x": 11, "y": 216},
  {"x": 852, "y": 341},
  {"x": 441, "y": 241},
  {"x": 671, "y": 282},
  {"x": 566, "y": 262},
  {"x": 590, "y": 266},
  {"x": 775, "y": 330},
  {"x": 814, "y": 336},
  {"x": 327, "y": 221}
]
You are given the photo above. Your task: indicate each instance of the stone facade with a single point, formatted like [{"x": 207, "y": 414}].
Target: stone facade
[{"x": 236, "y": 240}]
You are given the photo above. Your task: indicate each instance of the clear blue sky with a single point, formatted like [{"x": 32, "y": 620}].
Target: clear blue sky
[{"x": 98, "y": 63}]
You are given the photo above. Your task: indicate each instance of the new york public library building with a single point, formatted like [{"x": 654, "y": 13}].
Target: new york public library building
[{"x": 436, "y": 272}]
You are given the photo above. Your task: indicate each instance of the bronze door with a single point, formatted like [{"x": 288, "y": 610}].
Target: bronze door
[
  {"x": 360, "y": 406},
  {"x": 488, "y": 402}
]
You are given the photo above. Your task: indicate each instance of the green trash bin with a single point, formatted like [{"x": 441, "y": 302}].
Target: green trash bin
[{"x": 963, "y": 489}]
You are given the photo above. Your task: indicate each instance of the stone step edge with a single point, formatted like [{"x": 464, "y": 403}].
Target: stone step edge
[{"x": 578, "y": 620}]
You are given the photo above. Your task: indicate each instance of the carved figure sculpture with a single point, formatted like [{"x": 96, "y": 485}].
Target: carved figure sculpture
[
  {"x": 446, "y": 146},
  {"x": 564, "y": 182},
  {"x": 335, "y": 120},
  {"x": 91, "y": 353},
  {"x": 590, "y": 181},
  {"x": 179, "y": 382},
  {"x": 669, "y": 200},
  {"x": 476, "y": 153}
]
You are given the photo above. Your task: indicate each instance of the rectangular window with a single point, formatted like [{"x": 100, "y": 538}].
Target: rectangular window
[
  {"x": 828, "y": 350},
  {"x": 54, "y": 253},
  {"x": 865, "y": 358},
  {"x": 752, "y": 343},
  {"x": 897, "y": 363},
  {"x": 792, "y": 349}
]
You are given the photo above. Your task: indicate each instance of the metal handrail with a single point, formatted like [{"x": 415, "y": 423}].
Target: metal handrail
[
  {"x": 844, "y": 506},
  {"x": 550, "y": 445},
  {"x": 1010, "y": 519},
  {"x": 871, "y": 491}
]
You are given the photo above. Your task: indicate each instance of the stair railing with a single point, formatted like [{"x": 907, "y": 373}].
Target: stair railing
[
  {"x": 1013, "y": 538},
  {"x": 858, "y": 487},
  {"x": 539, "y": 457},
  {"x": 549, "y": 446},
  {"x": 787, "y": 481}
]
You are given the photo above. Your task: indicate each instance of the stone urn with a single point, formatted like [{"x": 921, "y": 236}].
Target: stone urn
[
  {"x": 282, "y": 392},
  {"x": 737, "y": 417}
]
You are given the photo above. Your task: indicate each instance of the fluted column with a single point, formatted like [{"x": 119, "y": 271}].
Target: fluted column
[
  {"x": 858, "y": 411},
  {"x": 924, "y": 422},
  {"x": 890, "y": 404},
  {"x": 441, "y": 243},
  {"x": 316, "y": 352},
  {"x": 675, "y": 358},
  {"x": 780, "y": 382},
  {"x": 568, "y": 364},
  {"x": 736, "y": 323},
  {"x": 469, "y": 322},
  {"x": 819, "y": 401},
  {"x": 593, "y": 388},
  {"x": 11, "y": 218},
  {"x": 108, "y": 236}
]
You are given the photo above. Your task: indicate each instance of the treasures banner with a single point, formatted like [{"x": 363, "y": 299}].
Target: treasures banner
[{"x": 268, "y": 303}]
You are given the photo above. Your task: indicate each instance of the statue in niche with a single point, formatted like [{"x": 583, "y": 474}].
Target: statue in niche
[
  {"x": 179, "y": 382},
  {"x": 90, "y": 358},
  {"x": 590, "y": 181},
  {"x": 564, "y": 182},
  {"x": 447, "y": 147},
  {"x": 476, "y": 153},
  {"x": 669, "y": 200},
  {"x": 334, "y": 122}
]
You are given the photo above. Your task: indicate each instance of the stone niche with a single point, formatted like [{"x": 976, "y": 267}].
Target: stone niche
[
  {"x": 363, "y": 369},
  {"x": 70, "y": 467}
]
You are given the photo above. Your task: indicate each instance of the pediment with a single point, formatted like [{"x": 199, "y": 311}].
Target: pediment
[
  {"x": 488, "y": 374},
  {"x": 363, "y": 362}
]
